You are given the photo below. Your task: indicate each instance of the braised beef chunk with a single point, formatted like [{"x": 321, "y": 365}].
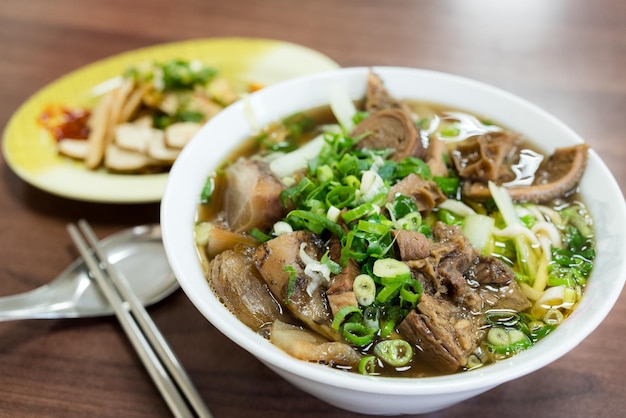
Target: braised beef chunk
[
  {"x": 458, "y": 286},
  {"x": 455, "y": 256},
  {"x": 426, "y": 194},
  {"x": 490, "y": 270},
  {"x": 340, "y": 293},
  {"x": 413, "y": 245},
  {"x": 442, "y": 332},
  {"x": 390, "y": 129},
  {"x": 497, "y": 285}
]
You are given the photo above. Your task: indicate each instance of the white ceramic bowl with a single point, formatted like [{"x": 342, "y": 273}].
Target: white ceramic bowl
[{"x": 375, "y": 395}]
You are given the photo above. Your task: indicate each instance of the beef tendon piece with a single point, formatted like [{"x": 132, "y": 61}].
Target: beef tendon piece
[
  {"x": 484, "y": 157},
  {"x": 239, "y": 286},
  {"x": 252, "y": 199},
  {"x": 442, "y": 334},
  {"x": 309, "y": 346},
  {"x": 557, "y": 177}
]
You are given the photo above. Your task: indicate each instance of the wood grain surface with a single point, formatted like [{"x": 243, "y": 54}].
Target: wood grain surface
[{"x": 566, "y": 56}]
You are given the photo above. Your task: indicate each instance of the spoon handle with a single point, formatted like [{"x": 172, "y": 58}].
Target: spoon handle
[{"x": 35, "y": 304}]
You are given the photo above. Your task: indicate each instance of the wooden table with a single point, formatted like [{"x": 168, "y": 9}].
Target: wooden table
[{"x": 567, "y": 56}]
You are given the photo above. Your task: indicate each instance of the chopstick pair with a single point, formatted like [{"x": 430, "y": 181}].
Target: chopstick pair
[{"x": 161, "y": 363}]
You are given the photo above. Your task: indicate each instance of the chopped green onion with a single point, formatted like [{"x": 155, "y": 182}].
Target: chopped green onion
[
  {"x": 291, "y": 283},
  {"x": 334, "y": 268},
  {"x": 343, "y": 314},
  {"x": 357, "y": 334},
  {"x": 448, "y": 185},
  {"x": 410, "y": 222},
  {"x": 403, "y": 205},
  {"x": 313, "y": 222},
  {"x": 341, "y": 196},
  {"x": 388, "y": 292},
  {"x": 259, "y": 235},
  {"x": 207, "y": 191},
  {"x": 359, "y": 212},
  {"x": 364, "y": 289},
  {"x": 374, "y": 228},
  {"x": 477, "y": 228},
  {"x": 507, "y": 341},
  {"x": 410, "y": 293},
  {"x": 391, "y": 315},
  {"x": 390, "y": 267},
  {"x": 324, "y": 173}
]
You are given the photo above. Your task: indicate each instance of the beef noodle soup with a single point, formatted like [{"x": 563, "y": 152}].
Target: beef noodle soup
[{"x": 396, "y": 238}]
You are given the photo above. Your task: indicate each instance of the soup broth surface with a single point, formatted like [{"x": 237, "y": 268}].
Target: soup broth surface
[{"x": 554, "y": 240}]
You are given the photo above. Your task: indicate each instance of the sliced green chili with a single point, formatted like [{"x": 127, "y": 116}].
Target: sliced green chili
[
  {"x": 367, "y": 365},
  {"x": 396, "y": 352}
]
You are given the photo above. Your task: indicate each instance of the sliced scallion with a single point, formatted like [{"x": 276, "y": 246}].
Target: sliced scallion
[{"x": 364, "y": 289}]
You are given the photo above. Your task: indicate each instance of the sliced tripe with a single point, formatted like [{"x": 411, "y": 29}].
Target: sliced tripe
[
  {"x": 136, "y": 136},
  {"x": 177, "y": 135},
  {"x": 158, "y": 150},
  {"x": 74, "y": 148},
  {"x": 121, "y": 160}
]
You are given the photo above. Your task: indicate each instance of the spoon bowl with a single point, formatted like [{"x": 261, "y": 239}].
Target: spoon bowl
[{"x": 136, "y": 252}]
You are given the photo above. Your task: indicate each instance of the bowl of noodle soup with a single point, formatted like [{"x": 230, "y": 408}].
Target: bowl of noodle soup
[{"x": 381, "y": 394}]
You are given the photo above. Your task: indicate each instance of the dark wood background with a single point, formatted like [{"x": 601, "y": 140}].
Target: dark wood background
[{"x": 567, "y": 56}]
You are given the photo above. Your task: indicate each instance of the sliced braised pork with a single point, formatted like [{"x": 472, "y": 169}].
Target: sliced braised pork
[{"x": 252, "y": 199}]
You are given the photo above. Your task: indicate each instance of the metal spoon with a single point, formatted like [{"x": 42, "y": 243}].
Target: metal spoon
[{"x": 137, "y": 252}]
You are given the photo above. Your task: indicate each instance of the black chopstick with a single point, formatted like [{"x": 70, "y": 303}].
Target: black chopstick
[{"x": 160, "y": 361}]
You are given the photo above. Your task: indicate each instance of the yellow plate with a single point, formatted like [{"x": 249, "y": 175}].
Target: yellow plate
[{"x": 31, "y": 152}]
